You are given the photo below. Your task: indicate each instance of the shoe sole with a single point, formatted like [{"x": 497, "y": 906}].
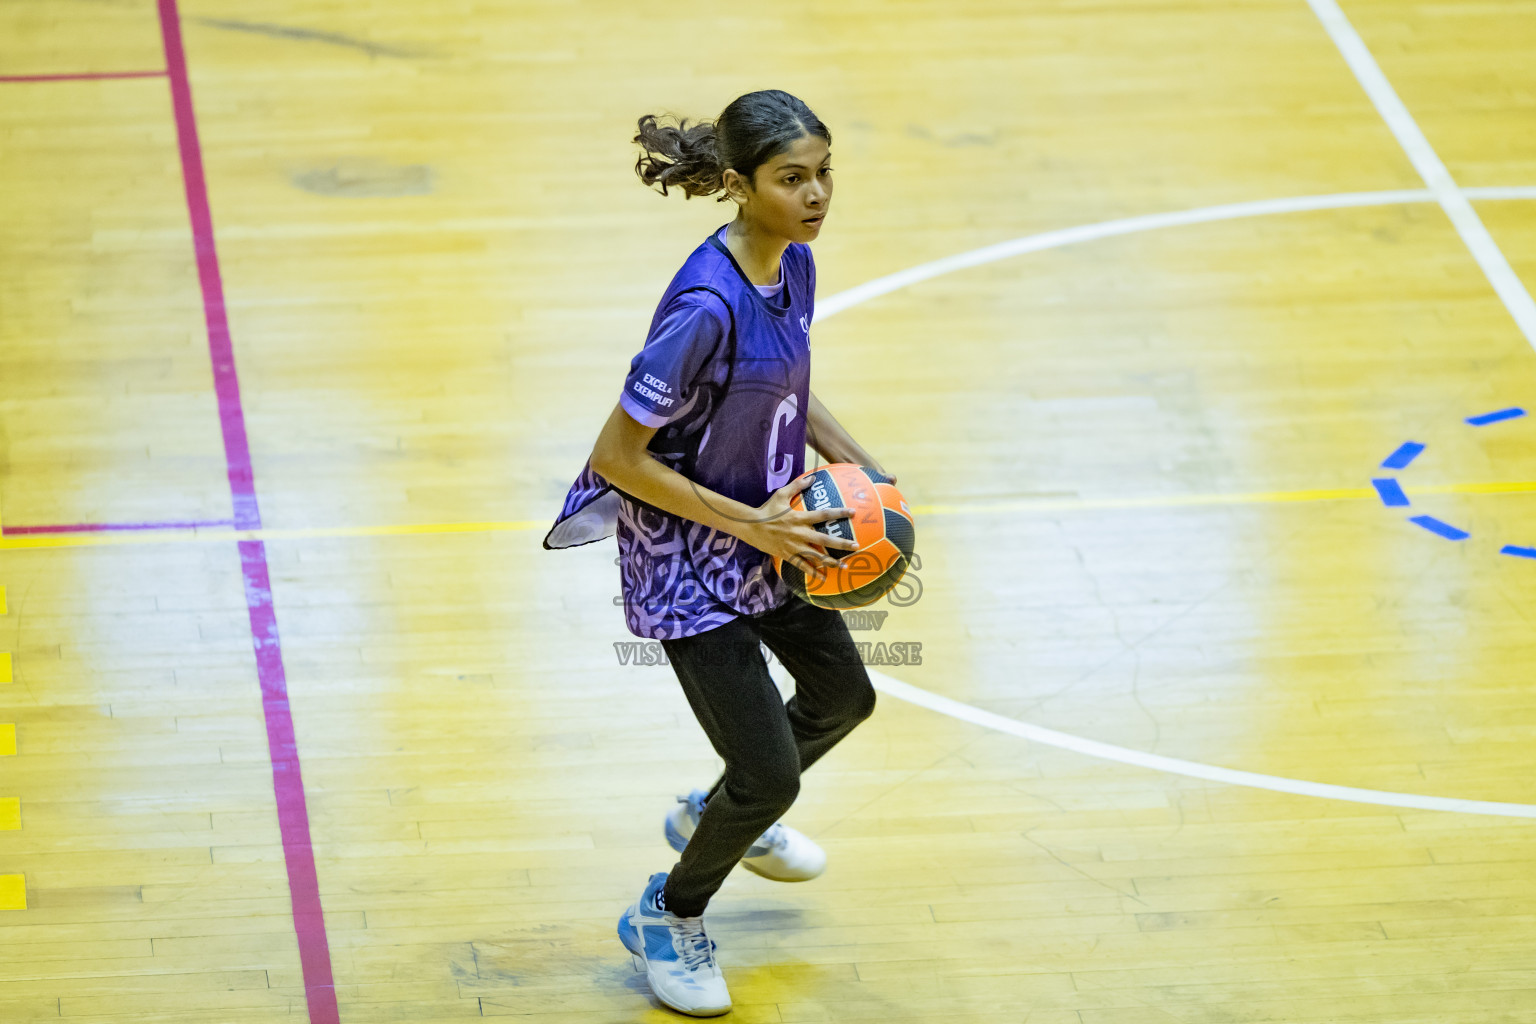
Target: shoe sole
[
  {"x": 637, "y": 957},
  {"x": 775, "y": 878}
]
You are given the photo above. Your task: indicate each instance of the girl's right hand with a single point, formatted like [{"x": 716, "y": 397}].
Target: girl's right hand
[{"x": 791, "y": 534}]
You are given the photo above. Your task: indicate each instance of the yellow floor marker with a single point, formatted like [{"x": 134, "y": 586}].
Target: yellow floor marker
[{"x": 13, "y": 888}]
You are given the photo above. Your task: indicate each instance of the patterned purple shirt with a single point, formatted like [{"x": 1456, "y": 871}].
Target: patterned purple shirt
[{"x": 725, "y": 377}]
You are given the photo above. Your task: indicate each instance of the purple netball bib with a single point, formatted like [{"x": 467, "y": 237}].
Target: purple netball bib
[{"x": 725, "y": 377}]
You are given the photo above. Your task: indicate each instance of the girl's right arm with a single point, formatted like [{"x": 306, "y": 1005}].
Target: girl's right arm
[{"x": 620, "y": 457}]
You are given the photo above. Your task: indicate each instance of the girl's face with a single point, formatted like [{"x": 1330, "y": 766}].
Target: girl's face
[{"x": 790, "y": 193}]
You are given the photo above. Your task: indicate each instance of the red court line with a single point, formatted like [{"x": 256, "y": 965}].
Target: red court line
[
  {"x": 82, "y": 76},
  {"x": 287, "y": 781},
  {"x": 191, "y": 524}
]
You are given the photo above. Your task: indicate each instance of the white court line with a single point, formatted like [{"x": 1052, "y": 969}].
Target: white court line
[
  {"x": 860, "y": 294},
  {"x": 1499, "y": 193},
  {"x": 1424, "y": 159},
  {"x": 1193, "y": 769}
]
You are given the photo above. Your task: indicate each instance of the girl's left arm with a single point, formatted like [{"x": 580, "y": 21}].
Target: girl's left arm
[{"x": 835, "y": 444}]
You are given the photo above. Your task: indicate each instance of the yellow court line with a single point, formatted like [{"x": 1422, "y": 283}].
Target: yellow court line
[
  {"x": 1511, "y": 487},
  {"x": 403, "y": 529},
  {"x": 1192, "y": 500},
  {"x": 7, "y": 739},
  {"x": 1161, "y": 501},
  {"x": 220, "y": 536},
  {"x": 1026, "y": 505},
  {"x": 10, "y": 813},
  {"x": 94, "y": 540},
  {"x": 2, "y": 601},
  {"x": 5, "y": 667},
  {"x": 13, "y": 892}
]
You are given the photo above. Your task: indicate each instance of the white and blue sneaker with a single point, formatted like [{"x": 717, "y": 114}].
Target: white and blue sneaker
[
  {"x": 781, "y": 853},
  {"x": 677, "y": 957}
]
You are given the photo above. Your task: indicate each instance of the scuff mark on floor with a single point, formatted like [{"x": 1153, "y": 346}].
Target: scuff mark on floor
[{"x": 311, "y": 35}]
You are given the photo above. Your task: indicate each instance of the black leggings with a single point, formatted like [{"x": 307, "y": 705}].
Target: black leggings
[{"x": 766, "y": 742}]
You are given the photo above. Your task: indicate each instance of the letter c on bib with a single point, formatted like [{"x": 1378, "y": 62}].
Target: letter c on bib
[{"x": 780, "y": 465}]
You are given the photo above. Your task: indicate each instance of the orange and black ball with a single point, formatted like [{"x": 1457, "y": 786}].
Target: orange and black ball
[{"x": 881, "y": 524}]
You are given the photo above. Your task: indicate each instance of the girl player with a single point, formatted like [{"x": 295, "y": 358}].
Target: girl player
[{"x": 694, "y": 470}]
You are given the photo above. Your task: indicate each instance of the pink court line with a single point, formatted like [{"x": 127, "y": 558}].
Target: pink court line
[
  {"x": 191, "y": 524},
  {"x": 287, "y": 781},
  {"x": 82, "y": 76}
]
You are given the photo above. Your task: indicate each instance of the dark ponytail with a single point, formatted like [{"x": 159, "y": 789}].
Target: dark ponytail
[
  {"x": 751, "y": 131},
  {"x": 679, "y": 156}
]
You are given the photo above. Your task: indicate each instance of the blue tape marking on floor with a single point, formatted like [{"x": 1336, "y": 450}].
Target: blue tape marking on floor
[
  {"x": 1494, "y": 417},
  {"x": 1404, "y": 455},
  {"x": 1391, "y": 492},
  {"x": 1510, "y": 549},
  {"x": 1445, "y": 530}
]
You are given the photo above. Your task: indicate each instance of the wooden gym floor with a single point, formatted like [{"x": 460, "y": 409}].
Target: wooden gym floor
[{"x": 310, "y": 312}]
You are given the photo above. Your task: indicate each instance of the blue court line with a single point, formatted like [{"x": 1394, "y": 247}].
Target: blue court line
[
  {"x": 1494, "y": 417},
  {"x": 1391, "y": 492},
  {"x": 1445, "y": 530},
  {"x": 1510, "y": 549},
  {"x": 1405, "y": 454}
]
